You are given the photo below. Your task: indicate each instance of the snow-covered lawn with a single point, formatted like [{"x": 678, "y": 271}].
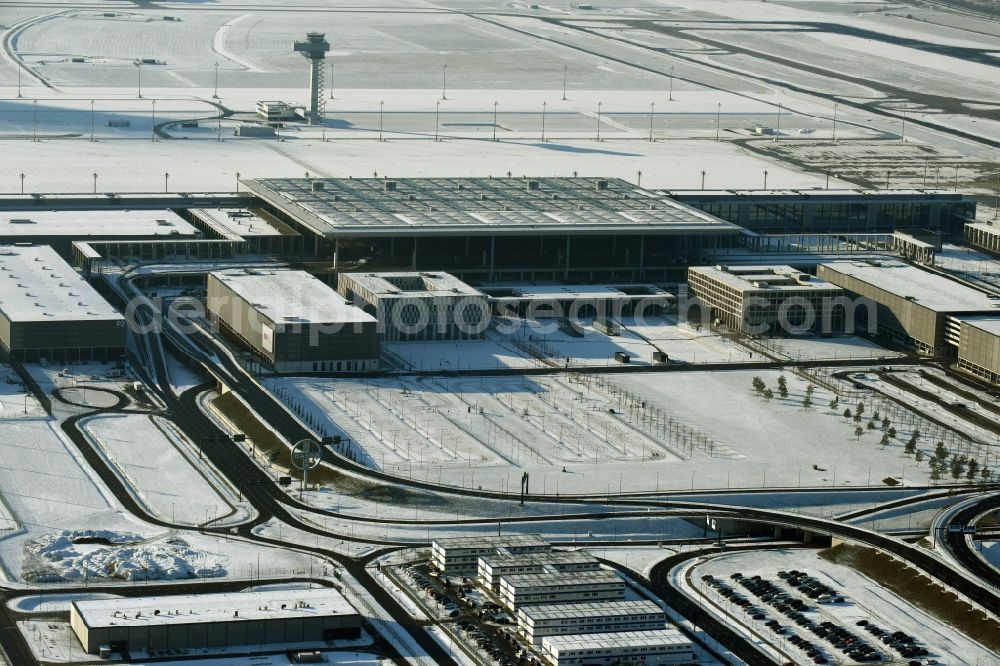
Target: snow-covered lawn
[
  {"x": 15, "y": 400},
  {"x": 825, "y": 349},
  {"x": 864, "y": 601},
  {"x": 141, "y": 448}
]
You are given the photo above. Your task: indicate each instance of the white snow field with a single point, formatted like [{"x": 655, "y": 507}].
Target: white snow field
[
  {"x": 592, "y": 432},
  {"x": 864, "y": 601},
  {"x": 141, "y": 447}
]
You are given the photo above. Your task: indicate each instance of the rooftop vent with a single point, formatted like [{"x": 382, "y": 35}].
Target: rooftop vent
[
  {"x": 532, "y": 185},
  {"x": 601, "y": 185},
  {"x": 21, "y": 220},
  {"x": 316, "y": 185},
  {"x": 389, "y": 186}
]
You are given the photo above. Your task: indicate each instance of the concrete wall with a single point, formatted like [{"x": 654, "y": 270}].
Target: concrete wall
[{"x": 979, "y": 353}]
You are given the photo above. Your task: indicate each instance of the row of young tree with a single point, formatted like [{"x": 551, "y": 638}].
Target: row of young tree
[{"x": 941, "y": 461}]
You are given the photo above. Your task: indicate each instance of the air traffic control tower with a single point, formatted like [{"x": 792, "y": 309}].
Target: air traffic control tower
[{"x": 314, "y": 48}]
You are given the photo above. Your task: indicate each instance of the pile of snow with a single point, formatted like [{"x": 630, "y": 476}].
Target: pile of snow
[{"x": 76, "y": 554}]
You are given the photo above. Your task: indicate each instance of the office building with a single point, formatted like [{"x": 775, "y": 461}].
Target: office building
[
  {"x": 598, "y": 617},
  {"x": 553, "y": 588},
  {"x": 494, "y": 566},
  {"x": 761, "y": 300},
  {"x": 460, "y": 555},
  {"x": 979, "y": 347},
  {"x": 630, "y": 648}
]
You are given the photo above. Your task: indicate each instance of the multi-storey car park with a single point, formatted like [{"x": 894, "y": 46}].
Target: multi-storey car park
[
  {"x": 48, "y": 311},
  {"x": 912, "y": 306},
  {"x": 598, "y": 617},
  {"x": 488, "y": 229},
  {"x": 197, "y": 621},
  {"x": 293, "y": 321},
  {"x": 767, "y": 299},
  {"x": 551, "y": 588}
]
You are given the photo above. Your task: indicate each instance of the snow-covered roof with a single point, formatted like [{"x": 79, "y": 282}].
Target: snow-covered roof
[
  {"x": 84, "y": 223},
  {"x": 286, "y": 296},
  {"x": 590, "y": 609},
  {"x": 209, "y": 608},
  {"x": 504, "y": 558},
  {"x": 483, "y": 206},
  {"x": 989, "y": 324},
  {"x": 771, "y": 277},
  {"x": 574, "y": 578},
  {"x": 623, "y": 639},
  {"x": 992, "y": 229},
  {"x": 411, "y": 284},
  {"x": 521, "y": 291},
  {"x": 238, "y": 221},
  {"x": 817, "y": 193},
  {"x": 37, "y": 285},
  {"x": 512, "y": 541},
  {"x": 924, "y": 288}
]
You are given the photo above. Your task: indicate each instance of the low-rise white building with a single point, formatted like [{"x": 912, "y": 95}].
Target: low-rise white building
[
  {"x": 418, "y": 306},
  {"x": 598, "y": 617},
  {"x": 630, "y": 648},
  {"x": 460, "y": 555},
  {"x": 553, "y": 588},
  {"x": 494, "y": 566}
]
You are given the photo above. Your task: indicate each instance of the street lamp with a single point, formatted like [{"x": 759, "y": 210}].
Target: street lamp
[
  {"x": 215, "y": 93},
  {"x": 437, "y": 124},
  {"x": 702, "y": 180},
  {"x": 671, "y": 98},
  {"x": 138, "y": 65},
  {"x": 380, "y": 105},
  {"x": 95, "y": 182},
  {"x": 19, "y": 80},
  {"x": 494, "y": 121},
  {"x": 444, "y": 81},
  {"x": 152, "y": 124},
  {"x": 166, "y": 181},
  {"x": 237, "y": 181},
  {"x": 543, "y": 121},
  {"x": 22, "y": 183},
  {"x": 834, "y": 123},
  {"x": 902, "y": 134},
  {"x": 777, "y": 129},
  {"x": 34, "y": 120},
  {"x": 598, "y": 121},
  {"x": 718, "y": 120},
  {"x": 652, "y": 110},
  {"x": 765, "y": 179},
  {"x": 565, "y": 70},
  {"x": 91, "y": 121}
]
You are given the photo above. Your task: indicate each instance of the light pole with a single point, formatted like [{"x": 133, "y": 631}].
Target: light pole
[
  {"x": 834, "y": 123},
  {"x": 34, "y": 120},
  {"x": 19, "y": 80},
  {"x": 652, "y": 110},
  {"x": 599, "y": 121},
  {"x": 718, "y": 120},
  {"x": 765, "y": 179},
  {"x": 22, "y": 183},
  {"x": 95, "y": 182},
  {"x": 671, "y": 97},
  {"x": 152, "y": 124},
  {"x": 902, "y": 134},
  {"x": 565, "y": 71},
  {"x": 437, "y": 124},
  {"x": 381, "y": 104},
  {"x": 91, "y": 121},
  {"x": 237, "y": 181},
  {"x": 494, "y": 121},
  {"x": 702, "y": 180},
  {"x": 331, "y": 80},
  {"x": 887, "y": 179},
  {"x": 166, "y": 182},
  {"x": 956, "y": 176},
  {"x": 544, "y": 104},
  {"x": 138, "y": 65},
  {"x": 777, "y": 129},
  {"x": 638, "y": 178},
  {"x": 215, "y": 93},
  {"x": 444, "y": 81}
]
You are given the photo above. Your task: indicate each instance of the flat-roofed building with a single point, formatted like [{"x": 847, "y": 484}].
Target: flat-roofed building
[
  {"x": 912, "y": 306},
  {"x": 979, "y": 347},
  {"x": 48, "y": 311},
  {"x": 274, "y": 111},
  {"x": 494, "y": 566},
  {"x": 293, "y": 321},
  {"x": 984, "y": 234},
  {"x": 198, "y": 621},
  {"x": 490, "y": 229},
  {"x": 629, "y": 648},
  {"x": 767, "y": 299},
  {"x": 553, "y": 588},
  {"x": 835, "y": 211},
  {"x": 917, "y": 247},
  {"x": 460, "y": 555},
  {"x": 59, "y": 228},
  {"x": 597, "y": 617},
  {"x": 262, "y": 233},
  {"x": 533, "y": 300},
  {"x": 418, "y": 306}
]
